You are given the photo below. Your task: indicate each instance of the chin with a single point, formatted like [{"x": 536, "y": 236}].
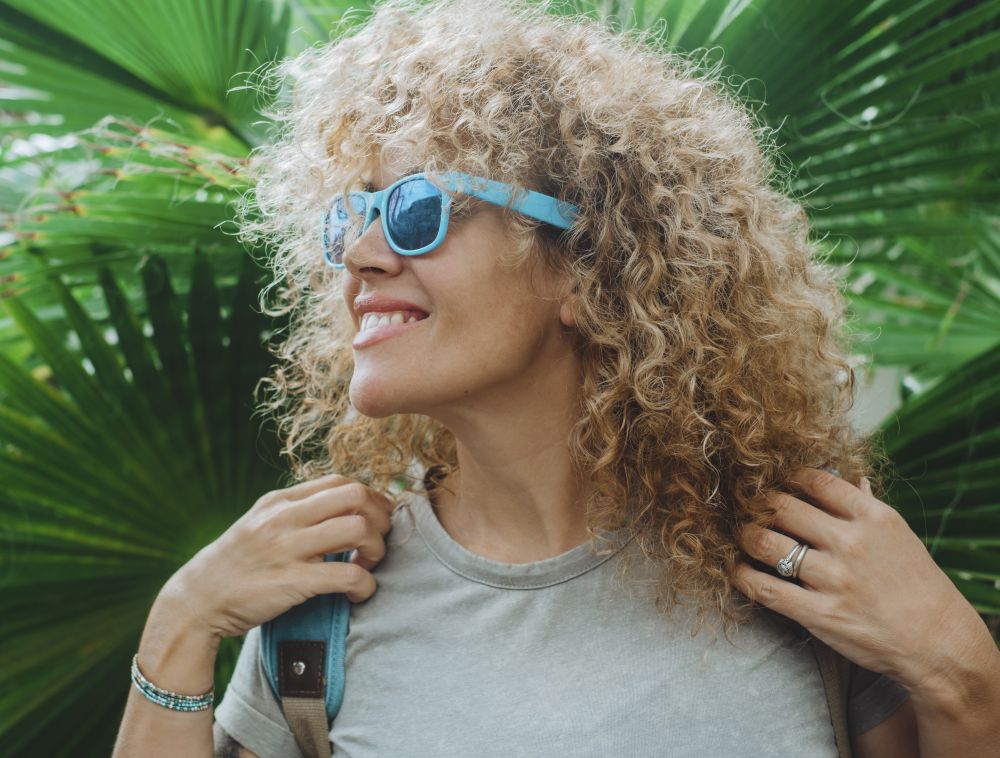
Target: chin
[
  {"x": 377, "y": 399},
  {"x": 373, "y": 404}
]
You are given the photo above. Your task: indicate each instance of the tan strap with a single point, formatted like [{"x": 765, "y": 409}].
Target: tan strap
[
  {"x": 302, "y": 686},
  {"x": 835, "y": 670},
  {"x": 307, "y": 718}
]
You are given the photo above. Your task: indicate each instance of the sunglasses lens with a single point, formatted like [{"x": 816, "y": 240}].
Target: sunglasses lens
[
  {"x": 336, "y": 227},
  {"x": 414, "y": 214}
]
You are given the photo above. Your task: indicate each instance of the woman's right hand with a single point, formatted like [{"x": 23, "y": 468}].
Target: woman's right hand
[{"x": 271, "y": 559}]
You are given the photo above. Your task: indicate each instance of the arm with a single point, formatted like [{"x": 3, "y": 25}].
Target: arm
[
  {"x": 872, "y": 592},
  {"x": 177, "y": 654},
  {"x": 264, "y": 564},
  {"x": 957, "y": 702},
  {"x": 957, "y": 713}
]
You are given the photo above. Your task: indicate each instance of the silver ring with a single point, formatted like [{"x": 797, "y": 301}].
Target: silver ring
[
  {"x": 787, "y": 565},
  {"x": 798, "y": 561}
]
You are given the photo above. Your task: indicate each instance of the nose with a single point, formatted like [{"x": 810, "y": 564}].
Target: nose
[{"x": 370, "y": 254}]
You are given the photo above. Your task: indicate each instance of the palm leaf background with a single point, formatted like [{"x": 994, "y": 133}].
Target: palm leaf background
[
  {"x": 130, "y": 343},
  {"x": 107, "y": 488}
]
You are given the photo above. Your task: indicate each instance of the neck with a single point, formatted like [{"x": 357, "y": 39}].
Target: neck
[
  {"x": 516, "y": 497},
  {"x": 529, "y": 522}
]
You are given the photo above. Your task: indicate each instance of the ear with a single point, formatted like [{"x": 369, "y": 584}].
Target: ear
[
  {"x": 567, "y": 308},
  {"x": 566, "y": 314}
]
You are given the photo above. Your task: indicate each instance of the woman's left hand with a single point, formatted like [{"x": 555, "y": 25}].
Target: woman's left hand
[{"x": 869, "y": 588}]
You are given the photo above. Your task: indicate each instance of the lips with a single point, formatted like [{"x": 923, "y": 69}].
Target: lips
[{"x": 368, "y": 303}]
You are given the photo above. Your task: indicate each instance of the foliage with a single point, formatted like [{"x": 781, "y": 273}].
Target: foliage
[{"x": 130, "y": 342}]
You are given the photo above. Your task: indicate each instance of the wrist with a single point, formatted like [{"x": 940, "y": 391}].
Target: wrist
[
  {"x": 177, "y": 651},
  {"x": 964, "y": 679},
  {"x": 179, "y": 600}
]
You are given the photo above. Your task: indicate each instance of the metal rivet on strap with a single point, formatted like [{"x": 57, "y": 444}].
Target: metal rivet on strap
[{"x": 299, "y": 668}]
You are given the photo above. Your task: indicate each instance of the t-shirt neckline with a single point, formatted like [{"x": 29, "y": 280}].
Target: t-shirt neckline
[{"x": 515, "y": 576}]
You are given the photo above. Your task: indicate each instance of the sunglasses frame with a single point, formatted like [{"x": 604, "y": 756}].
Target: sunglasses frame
[{"x": 533, "y": 204}]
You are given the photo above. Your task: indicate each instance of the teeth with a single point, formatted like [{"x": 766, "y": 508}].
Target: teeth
[{"x": 375, "y": 320}]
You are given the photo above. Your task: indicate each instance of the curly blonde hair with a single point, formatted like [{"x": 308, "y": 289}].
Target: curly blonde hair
[{"x": 711, "y": 337}]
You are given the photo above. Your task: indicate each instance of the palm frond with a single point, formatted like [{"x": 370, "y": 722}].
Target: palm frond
[
  {"x": 119, "y": 193},
  {"x": 144, "y": 453},
  {"x": 187, "y": 53},
  {"x": 945, "y": 447}
]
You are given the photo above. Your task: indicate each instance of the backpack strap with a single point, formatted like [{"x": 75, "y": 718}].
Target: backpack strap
[
  {"x": 835, "y": 670},
  {"x": 302, "y": 651}
]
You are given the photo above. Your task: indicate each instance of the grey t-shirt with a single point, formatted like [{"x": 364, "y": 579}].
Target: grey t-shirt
[{"x": 456, "y": 655}]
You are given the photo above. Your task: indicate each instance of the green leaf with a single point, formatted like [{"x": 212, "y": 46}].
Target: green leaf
[{"x": 190, "y": 51}]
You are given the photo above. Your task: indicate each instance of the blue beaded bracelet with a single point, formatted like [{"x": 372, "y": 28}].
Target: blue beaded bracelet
[{"x": 166, "y": 698}]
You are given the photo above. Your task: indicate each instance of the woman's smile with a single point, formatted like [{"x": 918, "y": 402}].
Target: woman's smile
[{"x": 376, "y": 327}]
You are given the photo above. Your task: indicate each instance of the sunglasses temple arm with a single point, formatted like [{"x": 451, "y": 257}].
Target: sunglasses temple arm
[{"x": 534, "y": 204}]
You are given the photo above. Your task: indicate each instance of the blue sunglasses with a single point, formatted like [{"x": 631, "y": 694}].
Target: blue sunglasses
[{"x": 415, "y": 212}]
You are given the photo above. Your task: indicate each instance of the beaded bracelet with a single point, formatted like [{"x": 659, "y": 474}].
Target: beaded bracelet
[{"x": 166, "y": 698}]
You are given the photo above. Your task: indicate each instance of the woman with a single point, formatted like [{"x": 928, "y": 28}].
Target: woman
[{"x": 588, "y": 428}]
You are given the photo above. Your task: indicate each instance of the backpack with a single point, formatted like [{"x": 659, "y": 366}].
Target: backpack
[{"x": 303, "y": 655}]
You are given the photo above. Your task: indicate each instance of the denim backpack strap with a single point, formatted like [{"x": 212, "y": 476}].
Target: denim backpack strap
[
  {"x": 835, "y": 670},
  {"x": 302, "y": 651}
]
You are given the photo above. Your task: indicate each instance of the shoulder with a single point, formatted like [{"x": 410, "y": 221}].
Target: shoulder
[{"x": 226, "y": 746}]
